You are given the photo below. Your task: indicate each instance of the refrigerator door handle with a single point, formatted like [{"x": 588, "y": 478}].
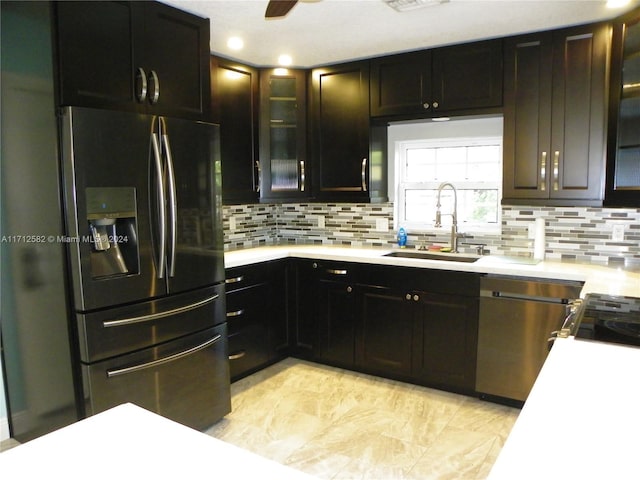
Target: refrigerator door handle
[
  {"x": 161, "y": 203},
  {"x": 165, "y": 313},
  {"x": 173, "y": 203},
  {"x": 160, "y": 361}
]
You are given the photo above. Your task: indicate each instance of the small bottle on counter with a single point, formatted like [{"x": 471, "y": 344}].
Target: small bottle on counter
[{"x": 402, "y": 238}]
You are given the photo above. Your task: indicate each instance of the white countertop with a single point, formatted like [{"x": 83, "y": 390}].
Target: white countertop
[
  {"x": 129, "y": 442},
  {"x": 581, "y": 418},
  {"x": 600, "y": 279}
]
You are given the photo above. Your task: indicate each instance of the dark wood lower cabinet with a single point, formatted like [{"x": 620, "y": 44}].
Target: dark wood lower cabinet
[
  {"x": 447, "y": 326},
  {"x": 257, "y": 321},
  {"x": 363, "y": 318},
  {"x": 387, "y": 332},
  {"x": 336, "y": 322}
]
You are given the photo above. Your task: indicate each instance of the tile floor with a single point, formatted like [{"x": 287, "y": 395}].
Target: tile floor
[{"x": 337, "y": 424}]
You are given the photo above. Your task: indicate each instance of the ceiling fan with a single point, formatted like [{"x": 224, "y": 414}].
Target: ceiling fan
[{"x": 279, "y": 8}]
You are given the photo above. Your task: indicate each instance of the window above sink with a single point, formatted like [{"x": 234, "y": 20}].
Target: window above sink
[{"x": 464, "y": 152}]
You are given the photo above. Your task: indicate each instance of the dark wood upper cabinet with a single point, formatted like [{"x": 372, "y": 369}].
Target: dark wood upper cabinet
[
  {"x": 285, "y": 168},
  {"x": 467, "y": 76},
  {"x": 136, "y": 56},
  {"x": 348, "y": 155},
  {"x": 401, "y": 84},
  {"x": 623, "y": 153},
  {"x": 434, "y": 82},
  {"x": 554, "y": 116},
  {"x": 234, "y": 94}
]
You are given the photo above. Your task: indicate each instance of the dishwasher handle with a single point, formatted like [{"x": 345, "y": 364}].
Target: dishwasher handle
[{"x": 521, "y": 296}]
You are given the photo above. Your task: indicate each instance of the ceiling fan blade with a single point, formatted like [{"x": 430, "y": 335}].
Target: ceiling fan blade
[{"x": 279, "y": 8}]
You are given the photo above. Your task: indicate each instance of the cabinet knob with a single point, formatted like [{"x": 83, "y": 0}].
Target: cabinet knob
[
  {"x": 314, "y": 265},
  {"x": 426, "y": 105},
  {"x": 436, "y": 104},
  {"x": 349, "y": 289},
  {"x": 408, "y": 296},
  {"x": 416, "y": 298}
]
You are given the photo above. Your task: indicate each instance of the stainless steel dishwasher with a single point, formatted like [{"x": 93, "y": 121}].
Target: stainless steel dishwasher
[{"x": 517, "y": 316}]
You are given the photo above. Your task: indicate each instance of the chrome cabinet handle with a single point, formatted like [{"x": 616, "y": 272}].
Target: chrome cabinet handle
[
  {"x": 543, "y": 171},
  {"x": 160, "y": 361},
  {"x": 556, "y": 170},
  {"x": 236, "y": 356},
  {"x": 336, "y": 272},
  {"x": 141, "y": 85},
  {"x": 237, "y": 313},
  {"x": 259, "y": 170},
  {"x": 302, "y": 176},
  {"x": 155, "y": 87},
  {"x": 364, "y": 174},
  {"x": 162, "y": 220},
  {"x": 234, "y": 279},
  {"x": 154, "y": 316},
  {"x": 173, "y": 201}
]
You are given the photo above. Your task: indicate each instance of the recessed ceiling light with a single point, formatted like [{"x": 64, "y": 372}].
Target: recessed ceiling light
[
  {"x": 285, "y": 60},
  {"x": 235, "y": 43}
]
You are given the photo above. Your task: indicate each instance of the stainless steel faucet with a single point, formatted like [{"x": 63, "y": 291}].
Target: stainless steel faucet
[{"x": 454, "y": 215}]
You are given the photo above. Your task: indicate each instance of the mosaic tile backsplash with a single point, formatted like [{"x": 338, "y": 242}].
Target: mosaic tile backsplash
[{"x": 579, "y": 233}]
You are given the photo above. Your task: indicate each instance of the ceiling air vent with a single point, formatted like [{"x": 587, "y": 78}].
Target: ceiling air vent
[{"x": 406, "y": 5}]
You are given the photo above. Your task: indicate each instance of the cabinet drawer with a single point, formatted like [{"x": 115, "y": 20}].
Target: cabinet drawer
[
  {"x": 429, "y": 280},
  {"x": 248, "y": 349},
  {"x": 242, "y": 277},
  {"x": 246, "y": 306}
]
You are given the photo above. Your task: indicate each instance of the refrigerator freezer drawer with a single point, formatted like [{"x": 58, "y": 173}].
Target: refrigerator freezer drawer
[
  {"x": 186, "y": 380},
  {"x": 117, "y": 331}
]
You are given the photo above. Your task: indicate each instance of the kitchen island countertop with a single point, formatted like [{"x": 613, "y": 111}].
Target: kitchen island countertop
[
  {"x": 596, "y": 278},
  {"x": 130, "y": 442},
  {"x": 580, "y": 420}
]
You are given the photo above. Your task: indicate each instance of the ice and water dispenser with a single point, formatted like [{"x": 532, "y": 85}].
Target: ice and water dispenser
[{"x": 111, "y": 214}]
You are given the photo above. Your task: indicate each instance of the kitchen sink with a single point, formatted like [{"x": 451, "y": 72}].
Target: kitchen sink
[{"x": 447, "y": 257}]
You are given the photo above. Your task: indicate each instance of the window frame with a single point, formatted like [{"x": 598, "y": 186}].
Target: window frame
[{"x": 401, "y": 185}]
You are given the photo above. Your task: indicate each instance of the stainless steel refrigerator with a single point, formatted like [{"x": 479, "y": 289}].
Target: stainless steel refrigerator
[{"x": 144, "y": 236}]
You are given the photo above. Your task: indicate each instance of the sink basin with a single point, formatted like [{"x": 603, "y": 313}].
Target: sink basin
[{"x": 447, "y": 257}]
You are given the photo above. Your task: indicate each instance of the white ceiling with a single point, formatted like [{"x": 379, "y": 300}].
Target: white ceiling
[{"x": 320, "y": 32}]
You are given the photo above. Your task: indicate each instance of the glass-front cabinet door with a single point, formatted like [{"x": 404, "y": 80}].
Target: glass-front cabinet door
[
  {"x": 623, "y": 171},
  {"x": 284, "y": 169}
]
